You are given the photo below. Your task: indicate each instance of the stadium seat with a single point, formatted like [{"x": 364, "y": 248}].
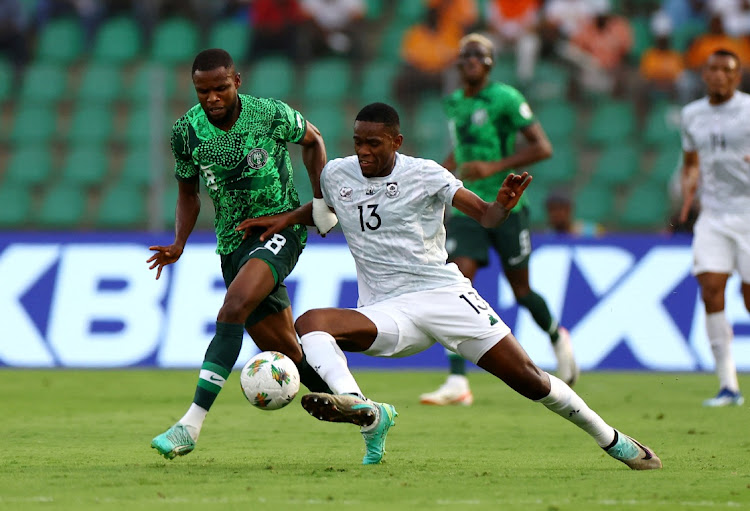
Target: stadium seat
[
  {"x": 550, "y": 83},
  {"x": 430, "y": 130},
  {"x": 558, "y": 118},
  {"x": 612, "y": 121},
  {"x": 100, "y": 83},
  {"x": 374, "y": 9},
  {"x": 642, "y": 37},
  {"x": 536, "y": 195},
  {"x": 136, "y": 169},
  {"x": 85, "y": 165},
  {"x": 302, "y": 181},
  {"x": 504, "y": 70},
  {"x": 646, "y": 207},
  {"x": 175, "y": 41},
  {"x": 666, "y": 163},
  {"x": 271, "y": 77},
  {"x": 143, "y": 83},
  {"x": 138, "y": 126},
  {"x": 91, "y": 124},
  {"x": 390, "y": 42},
  {"x": 63, "y": 206},
  {"x": 616, "y": 165},
  {"x": 123, "y": 205},
  {"x": 334, "y": 125},
  {"x": 117, "y": 41},
  {"x": 233, "y": 36},
  {"x": 33, "y": 124},
  {"x": 595, "y": 203},
  {"x": 378, "y": 78},
  {"x": 43, "y": 83},
  {"x": 662, "y": 125},
  {"x": 560, "y": 168},
  {"x": 410, "y": 12},
  {"x": 685, "y": 33},
  {"x": 60, "y": 41},
  {"x": 17, "y": 201},
  {"x": 168, "y": 204},
  {"x": 6, "y": 79},
  {"x": 327, "y": 80},
  {"x": 30, "y": 164}
]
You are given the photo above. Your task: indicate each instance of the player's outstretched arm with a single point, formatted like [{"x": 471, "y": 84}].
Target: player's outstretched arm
[
  {"x": 492, "y": 214},
  {"x": 314, "y": 158},
  {"x": 186, "y": 215},
  {"x": 274, "y": 224}
]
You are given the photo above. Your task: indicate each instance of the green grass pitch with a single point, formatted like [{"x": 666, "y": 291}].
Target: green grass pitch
[{"x": 79, "y": 440}]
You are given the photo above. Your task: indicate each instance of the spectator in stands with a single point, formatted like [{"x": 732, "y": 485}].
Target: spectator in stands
[
  {"x": 276, "y": 28},
  {"x": 335, "y": 27},
  {"x": 684, "y": 12},
  {"x": 13, "y": 40},
  {"x": 203, "y": 12},
  {"x": 90, "y": 12},
  {"x": 735, "y": 16},
  {"x": 660, "y": 66},
  {"x": 561, "y": 19},
  {"x": 690, "y": 85},
  {"x": 462, "y": 15},
  {"x": 561, "y": 219},
  {"x": 427, "y": 50},
  {"x": 599, "y": 49},
  {"x": 513, "y": 24}
]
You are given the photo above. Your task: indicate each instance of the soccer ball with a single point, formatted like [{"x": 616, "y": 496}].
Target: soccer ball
[{"x": 270, "y": 380}]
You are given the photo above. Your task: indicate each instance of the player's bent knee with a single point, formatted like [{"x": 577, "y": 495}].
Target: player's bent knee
[{"x": 310, "y": 321}]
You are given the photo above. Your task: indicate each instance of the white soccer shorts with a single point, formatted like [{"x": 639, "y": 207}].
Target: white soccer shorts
[
  {"x": 721, "y": 244},
  {"x": 455, "y": 316}
]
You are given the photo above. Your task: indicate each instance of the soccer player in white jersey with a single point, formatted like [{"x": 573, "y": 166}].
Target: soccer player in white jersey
[
  {"x": 716, "y": 160},
  {"x": 391, "y": 208}
]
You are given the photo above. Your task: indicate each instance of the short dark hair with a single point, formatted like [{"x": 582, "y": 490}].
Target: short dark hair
[
  {"x": 211, "y": 59},
  {"x": 382, "y": 113},
  {"x": 723, "y": 52}
]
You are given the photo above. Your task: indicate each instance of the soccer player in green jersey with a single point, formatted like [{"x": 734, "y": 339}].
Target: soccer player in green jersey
[
  {"x": 236, "y": 145},
  {"x": 484, "y": 118}
]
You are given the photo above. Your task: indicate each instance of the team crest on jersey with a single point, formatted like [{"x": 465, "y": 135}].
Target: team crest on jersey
[
  {"x": 391, "y": 190},
  {"x": 257, "y": 158},
  {"x": 479, "y": 117},
  {"x": 345, "y": 194},
  {"x": 371, "y": 190}
]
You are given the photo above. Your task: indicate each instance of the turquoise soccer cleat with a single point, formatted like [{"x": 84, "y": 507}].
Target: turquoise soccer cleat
[
  {"x": 176, "y": 441},
  {"x": 375, "y": 437},
  {"x": 633, "y": 453}
]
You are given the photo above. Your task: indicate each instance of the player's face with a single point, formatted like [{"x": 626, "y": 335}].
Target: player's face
[
  {"x": 473, "y": 62},
  {"x": 722, "y": 76},
  {"x": 375, "y": 146},
  {"x": 217, "y": 94}
]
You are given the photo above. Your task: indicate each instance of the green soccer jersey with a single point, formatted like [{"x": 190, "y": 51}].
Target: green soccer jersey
[
  {"x": 247, "y": 170},
  {"x": 483, "y": 128}
]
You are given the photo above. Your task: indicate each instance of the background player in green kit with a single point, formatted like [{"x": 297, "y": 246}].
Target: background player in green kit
[
  {"x": 484, "y": 118},
  {"x": 236, "y": 144}
]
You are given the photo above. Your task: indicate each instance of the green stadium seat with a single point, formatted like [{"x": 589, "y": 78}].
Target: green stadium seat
[
  {"x": 6, "y": 79},
  {"x": 646, "y": 207},
  {"x": 430, "y": 130},
  {"x": 504, "y": 70},
  {"x": 390, "y": 42},
  {"x": 536, "y": 195},
  {"x": 616, "y": 165},
  {"x": 30, "y": 164},
  {"x": 34, "y": 124},
  {"x": 684, "y": 35},
  {"x": 44, "y": 83},
  {"x": 612, "y": 121},
  {"x": 136, "y": 168},
  {"x": 642, "y": 37},
  {"x": 409, "y": 13},
  {"x": 91, "y": 124},
  {"x": 138, "y": 128},
  {"x": 558, "y": 118},
  {"x": 595, "y": 203},
  {"x": 667, "y": 161},
  {"x": 271, "y": 77},
  {"x": 334, "y": 125},
  {"x": 100, "y": 83},
  {"x": 327, "y": 80},
  {"x": 63, "y": 206},
  {"x": 175, "y": 41},
  {"x": 17, "y": 201},
  {"x": 85, "y": 165},
  {"x": 61, "y": 41},
  {"x": 168, "y": 204},
  {"x": 302, "y": 181},
  {"x": 662, "y": 125},
  {"x": 122, "y": 206},
  {"x": 550, "y": 83},
  {"x": 560, "y": 168},
  {"x": 144, "y": 80},
  {"x": 233, "y": 36},
  {"x": 378, "y": 79},
  {"x": 374, "y": 9},
  {"x": 118, "y": 41}
]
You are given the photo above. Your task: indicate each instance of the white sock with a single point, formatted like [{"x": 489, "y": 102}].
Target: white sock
[
  {"x": 720, "y": 336},
  {"x": 193, "y": 420},
  {"x": 325, "y": 356},
  {"x": 569, "y": 405}
]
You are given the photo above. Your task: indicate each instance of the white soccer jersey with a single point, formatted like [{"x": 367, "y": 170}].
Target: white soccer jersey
[
  {"x": 721, "y": 136},
  {"x": 394, "y": 224}
]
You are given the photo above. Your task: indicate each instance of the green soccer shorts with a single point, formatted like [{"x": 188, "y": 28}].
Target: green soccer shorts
[
  {"x": 280, "y": 252},
  {"x": 511, "y": 240}
]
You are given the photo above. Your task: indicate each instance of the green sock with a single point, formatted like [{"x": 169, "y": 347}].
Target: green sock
[
  {"x": 541, "y": 314},
  {"x": 310, "y": 379},
  {"x": 458, "y": 364},
  {"x": 220, "y": 358}
]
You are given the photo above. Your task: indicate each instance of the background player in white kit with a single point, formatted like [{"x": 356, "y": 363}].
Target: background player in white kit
[
  {"x": 716, "y": 154},
  {"x": 391, "y": 208}
]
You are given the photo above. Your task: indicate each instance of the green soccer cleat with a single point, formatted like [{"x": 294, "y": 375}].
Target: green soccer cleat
[
  {"x": 176, "y": 441},
  {"x": 375, "y": 436},
  {"x": 633, "y": 453}
]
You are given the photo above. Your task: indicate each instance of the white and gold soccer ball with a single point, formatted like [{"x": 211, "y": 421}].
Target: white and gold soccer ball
[{"x": 270, "y": 380}]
